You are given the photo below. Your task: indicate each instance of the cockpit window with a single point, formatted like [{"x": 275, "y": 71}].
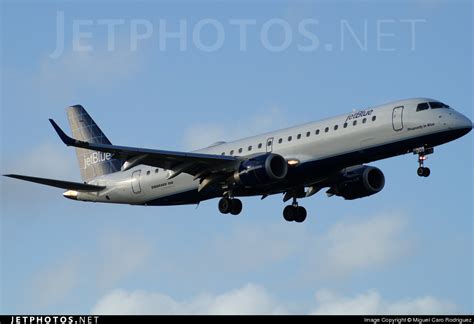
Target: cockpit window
[
  {"x": 422, "y": 106},
  {"x": 437, "y": 104},
  {"x": 432, "y": 104}
]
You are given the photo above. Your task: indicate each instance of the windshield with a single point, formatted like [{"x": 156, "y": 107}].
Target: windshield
[
  {"x": 437, "y": 104},
  {"x": 432, "y": 105}
]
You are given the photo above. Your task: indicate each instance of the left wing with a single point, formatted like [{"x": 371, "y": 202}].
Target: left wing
[
  {"x": 84, "y": 187},
  {"x": 197, "y": 164}
]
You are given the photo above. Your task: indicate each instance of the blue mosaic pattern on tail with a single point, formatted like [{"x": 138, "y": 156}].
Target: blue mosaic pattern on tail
[{"x": 92, "y": 163}]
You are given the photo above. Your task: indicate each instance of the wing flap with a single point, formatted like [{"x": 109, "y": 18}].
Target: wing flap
[{"x": 58, "y": 183}]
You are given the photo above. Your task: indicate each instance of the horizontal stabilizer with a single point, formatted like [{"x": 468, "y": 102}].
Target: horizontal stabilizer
[{"x": 58, "y": 183}]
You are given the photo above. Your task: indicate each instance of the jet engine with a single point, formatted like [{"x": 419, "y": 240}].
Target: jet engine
[
  {"x": 262, "y": 169},
  {"x": 358, "y": 182}
]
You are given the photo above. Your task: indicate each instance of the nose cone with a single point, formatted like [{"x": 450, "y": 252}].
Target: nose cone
[{"x": 464, "y": 123}]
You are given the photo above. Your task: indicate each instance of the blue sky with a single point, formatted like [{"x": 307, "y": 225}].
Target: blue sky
[{"x": 408, "y": 249}]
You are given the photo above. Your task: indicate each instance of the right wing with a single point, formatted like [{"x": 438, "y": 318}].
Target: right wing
[{"x": 58, "y": 183}]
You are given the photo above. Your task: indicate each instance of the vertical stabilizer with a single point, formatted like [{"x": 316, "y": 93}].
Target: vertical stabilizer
[{"x": 92, "y": 163}]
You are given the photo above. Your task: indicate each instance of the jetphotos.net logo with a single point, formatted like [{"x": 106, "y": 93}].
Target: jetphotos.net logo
[
  {"x": 96, "y": 157},
  {"x": 273, "y": 34},
  {"x": 54, "y": 319}
]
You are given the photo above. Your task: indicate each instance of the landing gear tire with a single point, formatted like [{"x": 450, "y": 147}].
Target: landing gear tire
[
  {"x": 225, "y": 205},
  {"x": 420, "y": 171},
  {"x": 289, "y": 213},
  {"x": 294, "y": 213},
  {"x": 300, "y": 214},
  {"x": 423, "y": 172},
  {"x": 230, "y": 206},
  {"x": 426, "y": 172},
  {"x": 236, "y": 206}
]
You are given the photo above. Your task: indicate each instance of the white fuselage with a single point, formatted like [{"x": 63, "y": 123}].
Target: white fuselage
[{"x": 395, "y": 124}]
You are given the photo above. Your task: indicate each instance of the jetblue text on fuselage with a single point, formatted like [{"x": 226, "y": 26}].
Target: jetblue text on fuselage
[{"x": 358, "y": 114}]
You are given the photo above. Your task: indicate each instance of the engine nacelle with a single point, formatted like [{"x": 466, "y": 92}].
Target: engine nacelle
[
  {"x": 359, "y": 182},
  {"x": 262, "y": 169}
]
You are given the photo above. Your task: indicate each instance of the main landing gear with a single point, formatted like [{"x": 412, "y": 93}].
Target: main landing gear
[
  {"x": 230, "y": 206},
  {"x": 422, "y": 152},
  {"x": 294, "y": 212}
]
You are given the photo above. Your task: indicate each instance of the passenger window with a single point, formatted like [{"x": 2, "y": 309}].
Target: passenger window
[
  {"x": 290, "y": 138},
  {"x": 156, "y": 170},
  {"x": 259, "y": 145},
  {"x": 326, "y": 129},
  {"x": 374, "y": 118},
  {"x": 250, "y": 147},
  {"x": 308, "y": 134},
  {"x": 422, "y": 106},
  {"x": 148, "y": 172},
  {"x": 223, "y": 153},
  {"x": 280, "y": 141},
  {"x": 232, "y": 152},
  {"x": 336, "y": 127},
  {"x": 345, "y": 125},
  {"x": 354, "y": 122},
  {"x": 299, "y": 136},
  {"x": 364, "y": 120},
  {"x": 317, "y": 132},
  {"x": 240, "y": 150}
]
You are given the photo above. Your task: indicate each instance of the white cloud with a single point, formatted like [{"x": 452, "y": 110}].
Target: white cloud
[
  {"x": 75, "y": 70},
  {"x": 349, "y": 246},
  {"x": 249, "y": 248},
  {"x": 121, "y": 255},
  {"x": 356, "y": 244},
  {"x": 55, "y": 283},
  {"x": 372, "y": 303},
  {"x": 254, "y": 299},
  {"x": 45, "y": 160},
  {"x": 250, "y": 299},
  {"x": 204, "y": 134},
  {"x": 118, "y": 255}
]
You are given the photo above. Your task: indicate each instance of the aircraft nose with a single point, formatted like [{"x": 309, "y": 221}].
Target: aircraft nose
[{"x": 464, "y": 122}]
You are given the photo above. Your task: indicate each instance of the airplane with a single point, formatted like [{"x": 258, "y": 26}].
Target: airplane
[{"x": 296, "y": 162}]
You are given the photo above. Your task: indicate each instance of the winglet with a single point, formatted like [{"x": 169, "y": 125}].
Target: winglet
[{"x": 66, "y": 139}]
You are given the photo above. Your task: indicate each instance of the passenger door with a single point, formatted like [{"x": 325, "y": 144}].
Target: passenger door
[
  {"x": 270, "y": 145},
  {"x": 136, "y": 188},
  {"x": 397, "y": 118}
]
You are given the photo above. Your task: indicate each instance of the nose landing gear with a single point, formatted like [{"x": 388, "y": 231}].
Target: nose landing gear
[{"x": 422, "y": 152}]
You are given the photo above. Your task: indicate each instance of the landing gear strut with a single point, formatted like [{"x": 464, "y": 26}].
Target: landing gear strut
[
  {"x": 230, "y": 206},
  {"x": 422, "y": 152},
  {"x": 294, "y": 212}
]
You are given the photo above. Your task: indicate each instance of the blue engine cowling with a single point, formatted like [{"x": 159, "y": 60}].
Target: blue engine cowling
[
  {"x": 359, "y": 182},
  {"x": 262, "y": 169}
]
